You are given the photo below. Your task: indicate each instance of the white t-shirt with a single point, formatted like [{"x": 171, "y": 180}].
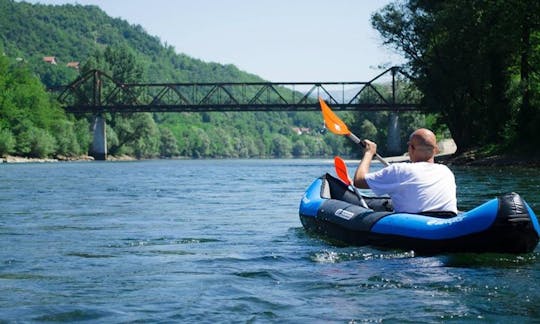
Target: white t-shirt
[{"x": 416, "y": 187}]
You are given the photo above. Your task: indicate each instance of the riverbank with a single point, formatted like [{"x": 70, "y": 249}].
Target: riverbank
[
  {"x": 22, "y": 159},
  {"x": 473, "y": 158},
  {"x": 480, "y": 158},
  {"x": 60, "y": 158},
  {"x": 447, "y": 156}
]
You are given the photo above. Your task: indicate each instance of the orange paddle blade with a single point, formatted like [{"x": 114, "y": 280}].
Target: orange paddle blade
[
  {"x": 341, "y": 170},
  {"x": 332, "y": 121}
]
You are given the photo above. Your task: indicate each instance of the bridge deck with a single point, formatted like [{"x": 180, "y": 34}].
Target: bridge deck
[{"x": 97, "y": 92}]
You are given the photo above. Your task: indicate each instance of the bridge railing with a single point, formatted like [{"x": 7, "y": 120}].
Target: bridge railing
[{"x": 97, "y": 92}]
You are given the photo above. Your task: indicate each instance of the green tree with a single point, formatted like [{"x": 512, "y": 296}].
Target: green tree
[
  {"x": 82, "y": 133},
  {"x": 463, "y": 57},
  {"x": 66, "y": 138},
  {"x": 32, "y": 123},
  {"x": 7, "y": 142},
  {"x": 281, "y": 146},
  {"x": 168, "y": 144},
  {"x": 368, "y": 130},
  {"x": 148, "y": 137},
  {"x": 300, "y": 149},
  {"x": 36, "y": 142}
]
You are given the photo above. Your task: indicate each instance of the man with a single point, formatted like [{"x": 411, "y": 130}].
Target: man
[{"x": 422, "y": 186}]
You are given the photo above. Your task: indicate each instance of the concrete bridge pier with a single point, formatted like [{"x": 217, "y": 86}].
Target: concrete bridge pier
[
  {"x": 393, "y": 141},
  {"x": 99, "y": 143}
]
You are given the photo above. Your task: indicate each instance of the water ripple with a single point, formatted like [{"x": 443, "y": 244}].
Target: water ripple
[
  {"x": 89, "y": 255},
  {"x": 336, "y": 257}
]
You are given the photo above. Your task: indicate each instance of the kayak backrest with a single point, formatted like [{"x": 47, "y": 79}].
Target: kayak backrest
[{"x": 333, "y": 188}]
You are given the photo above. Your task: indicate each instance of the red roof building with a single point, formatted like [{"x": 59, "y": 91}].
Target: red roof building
[
  {"x": 74, "y": 65},
  {"x": 49, "y": 59}
]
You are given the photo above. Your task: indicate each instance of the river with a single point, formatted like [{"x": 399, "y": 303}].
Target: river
[{"x": 220, "y": 241}]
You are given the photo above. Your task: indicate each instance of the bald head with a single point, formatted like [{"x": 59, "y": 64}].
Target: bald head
[{"x": 422, "y": 145}]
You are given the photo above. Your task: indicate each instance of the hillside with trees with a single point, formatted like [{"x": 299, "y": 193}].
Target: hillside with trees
[
  {"x": 45, "y": 45},
  {"x": 477, "y": 79}
]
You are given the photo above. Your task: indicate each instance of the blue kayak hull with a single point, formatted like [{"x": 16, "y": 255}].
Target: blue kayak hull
[{"x": 505, "y": 224}]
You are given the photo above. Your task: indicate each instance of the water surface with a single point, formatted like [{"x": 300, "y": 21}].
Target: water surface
[{"x": 221, "y": 241}]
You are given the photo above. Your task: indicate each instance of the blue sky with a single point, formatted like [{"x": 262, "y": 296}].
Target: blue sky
[{"x": 279, "y": 40}]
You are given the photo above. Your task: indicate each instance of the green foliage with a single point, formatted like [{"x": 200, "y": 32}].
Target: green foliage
[
  {"x": 35, "y": 142},
  {"x": 300, "y": 149},
  {"x": 7, "y": 142},
  {"x": 474, "y": 62},
  {"x": 168, "y": 146},
  {"x": 83, "y": 137},
  {"x": 368, "y": 130},
  {"x": 66, "y": 138},
  {"x": 281, "y": 146},
  {"x": 31, "y": 123},
  {"x": 148, "y": 136}
]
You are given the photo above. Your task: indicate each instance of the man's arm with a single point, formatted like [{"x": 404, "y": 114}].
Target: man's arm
[{"x": 363, "y": 168}]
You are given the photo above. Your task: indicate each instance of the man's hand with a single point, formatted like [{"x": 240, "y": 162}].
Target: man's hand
[{"x": 371, "y": 147}]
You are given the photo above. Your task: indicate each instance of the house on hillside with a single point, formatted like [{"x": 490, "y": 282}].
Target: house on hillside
[
  {"x": 301, "y": 130},
  {"x": 73, "y": 65},
  {"x": 49, "y": 59}
]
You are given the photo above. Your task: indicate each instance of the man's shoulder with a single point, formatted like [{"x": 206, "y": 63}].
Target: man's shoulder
[
  {"x": 421, "y": 167},
  {"x": 403, "y": 165}
]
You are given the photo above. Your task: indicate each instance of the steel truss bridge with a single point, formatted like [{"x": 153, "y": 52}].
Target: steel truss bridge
[{"x": 96, "y": 92}]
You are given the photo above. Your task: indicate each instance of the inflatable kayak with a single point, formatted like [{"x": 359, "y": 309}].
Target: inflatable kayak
[{"x": 505, "y": 224}]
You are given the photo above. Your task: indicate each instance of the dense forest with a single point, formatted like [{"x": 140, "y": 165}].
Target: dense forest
[{"x": 476, "y": 63}]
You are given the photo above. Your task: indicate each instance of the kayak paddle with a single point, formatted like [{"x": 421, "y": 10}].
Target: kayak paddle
[
  {"x": 341, "y": 170},
  {"x": 337, "y": 126},
  {"x": 343, "y": 174}
]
